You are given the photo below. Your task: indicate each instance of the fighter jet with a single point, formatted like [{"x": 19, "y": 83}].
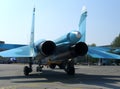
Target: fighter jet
[{"x": 59, "y": 52}]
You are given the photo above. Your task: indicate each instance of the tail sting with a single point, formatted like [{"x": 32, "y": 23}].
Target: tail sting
[{"x": 82, "y": 24}]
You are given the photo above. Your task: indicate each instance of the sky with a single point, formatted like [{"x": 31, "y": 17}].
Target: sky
[{"x": 54, "y": 18}]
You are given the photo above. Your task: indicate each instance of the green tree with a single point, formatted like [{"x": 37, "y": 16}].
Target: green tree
[
  {"x": 116, "y": 42},
  {"x": 93, "y": 44}
]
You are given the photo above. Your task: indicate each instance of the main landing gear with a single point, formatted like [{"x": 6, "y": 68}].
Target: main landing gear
[
  {"x": 39, "y": 67},
  {"x": 27, "y": 69},
  {"x": 69, "y": 68}
]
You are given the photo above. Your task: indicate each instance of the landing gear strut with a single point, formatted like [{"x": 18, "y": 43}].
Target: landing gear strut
[
  {"x": 39, "y": 67},
  {"x": 70, "y": 70},
  {"x": 27, "y": 69}
]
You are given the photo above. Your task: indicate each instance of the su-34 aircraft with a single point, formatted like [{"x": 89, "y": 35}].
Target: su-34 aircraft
[{"x": 59, "y": 52}]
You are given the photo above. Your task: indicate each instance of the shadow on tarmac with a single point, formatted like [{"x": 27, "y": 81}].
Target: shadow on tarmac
[{"x": 56, "y": 76}]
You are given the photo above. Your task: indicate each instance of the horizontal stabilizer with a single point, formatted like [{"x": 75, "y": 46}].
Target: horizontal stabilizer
[
  {"x": 93, "y": 52},
  {"x": 25, "y": 51}
]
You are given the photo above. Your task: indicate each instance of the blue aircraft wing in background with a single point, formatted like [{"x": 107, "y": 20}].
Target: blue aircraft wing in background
[
  {"x": 117, "y": 50},
  {"x": 10, "y": 46},
  {"x": 101, "y": 53},
  {"x": 24, "y": 51}
]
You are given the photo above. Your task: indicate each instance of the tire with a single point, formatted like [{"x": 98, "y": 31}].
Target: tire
[
  {"x": 38, "y": 69},
  {"x": 26, "y": 70},
  {"x": 52, "y": 66},
  {"x": 70, "y": 71}
]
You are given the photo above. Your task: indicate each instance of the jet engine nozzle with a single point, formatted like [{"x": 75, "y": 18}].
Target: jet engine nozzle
[
  {"x": 81, "y": 49},
  {"x": 46, "y": 48}
]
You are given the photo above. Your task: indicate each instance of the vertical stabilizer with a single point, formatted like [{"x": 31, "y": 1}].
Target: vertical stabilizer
[
  {"x": 32, "y": 51},
  {"x": 32, "y": 29},
  {"x": 82, "y": 23}
]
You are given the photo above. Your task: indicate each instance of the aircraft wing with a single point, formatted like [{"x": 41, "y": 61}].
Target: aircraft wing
[
  {"x": 107, "y": 49},
  {"x": 24, "y": 51},
  {"x": 117, "y": 50},
  {"x": 97, "y": 53},
  {"x": 10, "y": 46}
]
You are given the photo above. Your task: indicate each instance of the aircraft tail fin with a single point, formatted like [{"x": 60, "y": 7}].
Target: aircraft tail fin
[
  {"x": 32, "y": 51},
  {"x": 24, "y": 50},
  {"x": 32, "y": 29},
  {"x": 82, "y": 23}
]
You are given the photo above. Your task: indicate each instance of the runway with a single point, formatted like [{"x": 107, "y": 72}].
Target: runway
[{"x": 87, "y": 77}]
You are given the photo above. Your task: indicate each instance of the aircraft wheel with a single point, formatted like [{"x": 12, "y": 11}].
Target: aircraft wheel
[
  {"x": 52, "y": 66},
  {"x": 69, "y": 68},
  {"x": 70, "y": 71},
  {"x": 27, "y": 70},
  {"x": 39, "y": 68}
]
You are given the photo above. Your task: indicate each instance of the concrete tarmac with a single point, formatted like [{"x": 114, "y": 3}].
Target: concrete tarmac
[{"x": 86, "y": 77}]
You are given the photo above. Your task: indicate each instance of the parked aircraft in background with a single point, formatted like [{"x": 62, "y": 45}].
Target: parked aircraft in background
[{"x": 59, "y": 52}]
